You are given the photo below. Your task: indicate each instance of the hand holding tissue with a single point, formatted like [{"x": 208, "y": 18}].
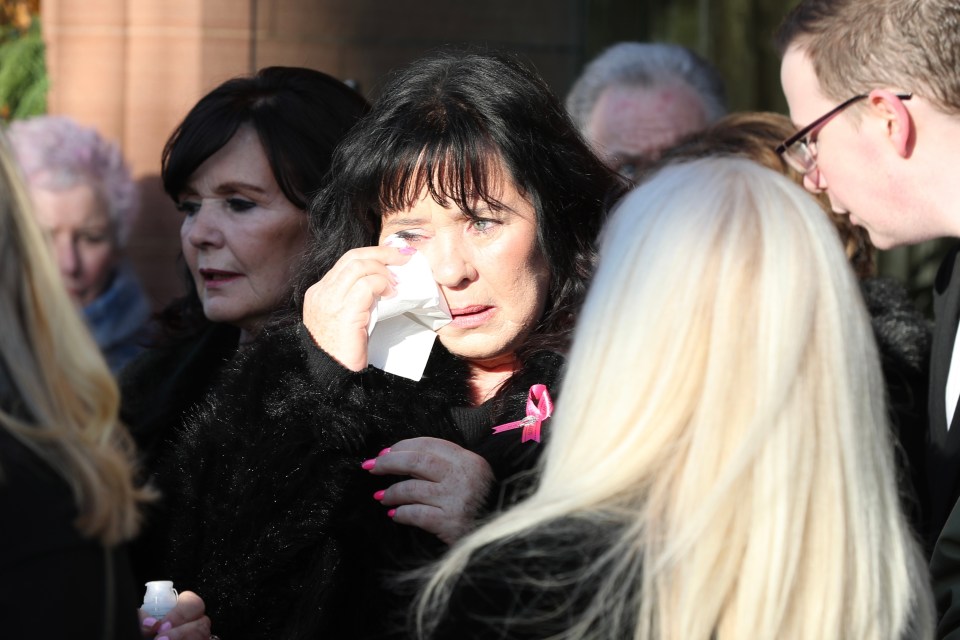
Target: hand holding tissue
[{"x": 403, "y": 327}]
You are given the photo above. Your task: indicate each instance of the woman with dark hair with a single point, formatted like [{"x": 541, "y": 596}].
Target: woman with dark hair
[
  {"x": 266, "y": 140},
  {"x": 287, "y": 526},
  {"x": 242, "y": 167}
]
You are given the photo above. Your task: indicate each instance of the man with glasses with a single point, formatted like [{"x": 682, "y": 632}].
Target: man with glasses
[{"x": 874, "y": 86}]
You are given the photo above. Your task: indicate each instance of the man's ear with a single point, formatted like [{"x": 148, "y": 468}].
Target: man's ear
[{"x": 896, "y": 120}]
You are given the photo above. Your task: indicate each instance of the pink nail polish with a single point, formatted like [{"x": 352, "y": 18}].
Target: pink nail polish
[
  {"x": 391, "y": 513},
  {"x": 379, "y": 495},
  {"x": 384, "y": 452},
  {"x": 408, "y": 250},
  {"x": 166, "y": 626},
  {"x": 368, "y": 464},
  {"x": 149, "y": 622}
]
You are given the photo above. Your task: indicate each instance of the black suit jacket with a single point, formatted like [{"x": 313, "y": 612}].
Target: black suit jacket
[{"x": 943, "y": 450}]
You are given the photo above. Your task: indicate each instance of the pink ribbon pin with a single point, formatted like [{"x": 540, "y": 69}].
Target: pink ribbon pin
[{"x": 539, "y": 408}]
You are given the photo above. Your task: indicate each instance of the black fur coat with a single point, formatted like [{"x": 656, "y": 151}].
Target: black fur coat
[
  {"x": 903, "y": 340},
  {"x": 272, "y": 519}
]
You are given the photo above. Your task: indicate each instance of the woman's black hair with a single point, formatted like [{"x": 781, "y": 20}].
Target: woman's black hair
[
  {"x": 300, "y": 116},
  {"x": 446, "y": 124}
]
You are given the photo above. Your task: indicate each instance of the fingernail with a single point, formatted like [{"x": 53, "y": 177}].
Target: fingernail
[
  {"x": 368, "y": 464},
  {"x": 391, "y": 513},
  {"x": 379, "y": 495},
  {"x": 166, "y": 626},
  {"x": 384, "y": 452},
  {"x": 149, "y": 622},
  {"x": 408, "y": 250},
  {"x": 164, "y": 638}
]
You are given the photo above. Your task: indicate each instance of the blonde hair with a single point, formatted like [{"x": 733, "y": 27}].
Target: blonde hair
[
  {"x": 723, "y": 414},
  {"x": 59, "y": 376}
]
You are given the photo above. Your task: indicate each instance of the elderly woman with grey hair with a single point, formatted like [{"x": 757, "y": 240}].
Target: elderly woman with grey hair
[
  {"x": 86, "y": 200},
  {"x": 636, "y": 99}
]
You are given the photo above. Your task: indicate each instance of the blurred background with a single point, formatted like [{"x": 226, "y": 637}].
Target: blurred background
[{"x": 132, "y": 68}]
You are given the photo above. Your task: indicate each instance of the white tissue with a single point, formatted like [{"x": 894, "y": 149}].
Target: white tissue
[{"x": 403, "y": 327}]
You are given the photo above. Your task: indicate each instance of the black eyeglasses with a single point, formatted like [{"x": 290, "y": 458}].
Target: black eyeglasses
[{"x": 799, "y": 152}]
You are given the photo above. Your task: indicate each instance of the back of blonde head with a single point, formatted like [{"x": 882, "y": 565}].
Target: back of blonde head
[
  {"x": 723, "y": 408},
  {"x": 59, "y": 375}
]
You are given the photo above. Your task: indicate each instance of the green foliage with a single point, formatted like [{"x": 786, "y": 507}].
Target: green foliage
[{"x": 23, "y": 72}]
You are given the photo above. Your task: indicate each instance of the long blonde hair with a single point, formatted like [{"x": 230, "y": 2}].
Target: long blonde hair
[
  {"x": 723, "y": 408},
  {"x": 59, "y": 376}
]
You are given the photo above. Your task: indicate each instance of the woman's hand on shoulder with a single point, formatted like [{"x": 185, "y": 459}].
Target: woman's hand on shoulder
[
  {"x": 186, "y": 621},
  {"x": 336, "y": 310},
  {"x": 447, "y": 491}
]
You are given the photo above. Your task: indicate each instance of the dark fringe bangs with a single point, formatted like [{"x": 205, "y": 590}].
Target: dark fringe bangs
[{"x": 463, "y": 170}]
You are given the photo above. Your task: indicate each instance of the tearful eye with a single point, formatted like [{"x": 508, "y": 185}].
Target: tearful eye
[{"x": 410, "y": 235}]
